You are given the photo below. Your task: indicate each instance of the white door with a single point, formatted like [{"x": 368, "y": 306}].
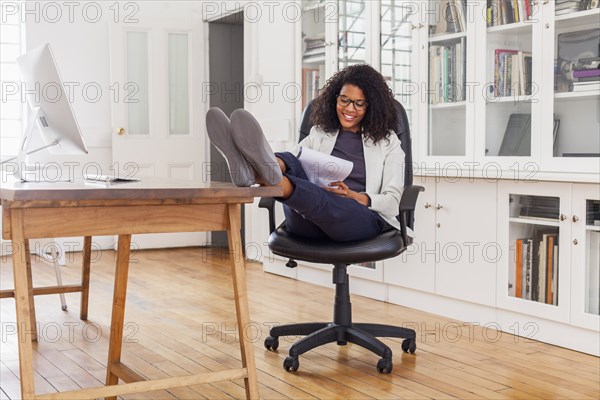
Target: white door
[{"x": 158, "y": 114}]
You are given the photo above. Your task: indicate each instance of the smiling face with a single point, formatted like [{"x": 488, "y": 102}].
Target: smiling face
[{"x": 350, "y": 117}]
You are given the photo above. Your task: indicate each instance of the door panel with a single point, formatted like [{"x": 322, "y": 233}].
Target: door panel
[{"x": 158, "y": 115}]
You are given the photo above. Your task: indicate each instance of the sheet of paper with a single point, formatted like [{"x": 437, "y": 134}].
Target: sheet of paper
[{"x": 322, "y": 169}]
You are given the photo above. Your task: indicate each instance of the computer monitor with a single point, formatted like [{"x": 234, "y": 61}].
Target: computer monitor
[{"x": 50, "y": 110}]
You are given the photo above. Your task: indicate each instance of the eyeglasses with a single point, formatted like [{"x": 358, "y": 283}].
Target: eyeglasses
[{"x": 359, "y": 105}]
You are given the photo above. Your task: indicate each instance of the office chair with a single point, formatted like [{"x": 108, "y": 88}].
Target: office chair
[{"x": 341, "y": 254}]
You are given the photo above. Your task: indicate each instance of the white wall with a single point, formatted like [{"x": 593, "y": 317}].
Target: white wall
[{"x": 79, "y": 37}]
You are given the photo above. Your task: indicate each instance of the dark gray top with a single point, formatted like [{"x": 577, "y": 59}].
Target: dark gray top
[{"x": 349, "y": 146}]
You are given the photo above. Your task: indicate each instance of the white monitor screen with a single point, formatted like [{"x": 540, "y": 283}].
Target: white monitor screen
[{"x": 46, "y": 96}]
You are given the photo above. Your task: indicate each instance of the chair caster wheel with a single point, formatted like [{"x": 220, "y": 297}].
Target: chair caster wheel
[
  {"x": 271, "y": 343},
  {"x": 409, "y": 345},
  {"x": 384, "y": 365},
  {"x": 291, "y": 363},
  {"x": 64, "y": 308}
]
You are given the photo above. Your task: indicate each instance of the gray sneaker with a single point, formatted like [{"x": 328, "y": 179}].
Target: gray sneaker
[
  {"x": 250, "y": 140},
  {"x": 219, "y": 133}
]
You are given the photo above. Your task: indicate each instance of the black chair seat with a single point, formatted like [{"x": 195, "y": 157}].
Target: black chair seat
[{"x": 387, "y": 245}]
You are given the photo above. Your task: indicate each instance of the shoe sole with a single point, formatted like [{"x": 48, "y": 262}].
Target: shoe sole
[
  {"x": 219, "y": 133},
  {"x": 251, "y": 142}
]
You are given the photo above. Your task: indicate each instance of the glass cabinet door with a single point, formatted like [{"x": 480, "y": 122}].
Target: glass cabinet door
[
  {"x": 315, "y": 15},
  {"x": 446, "y": 91},
  {"x": 512, "y": 83},
  {"x": 585, "y": 242},
  {"x": 396, "y": 44},
  {"x": 571, "y": 130},
  {"x": 352, "y": 30}
]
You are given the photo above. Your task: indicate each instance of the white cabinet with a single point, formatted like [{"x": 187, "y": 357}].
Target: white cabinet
[
  {"x": 552, "y": 232},
  {"x": 585, "y": 256},
  {"x": 535, "y": 230},
  {"x": 455, "y": 250},
  {"x": 415, "y": 268}
]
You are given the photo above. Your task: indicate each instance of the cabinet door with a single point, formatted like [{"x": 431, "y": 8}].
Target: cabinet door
[
  {"x": 445, "y": 43},
  {"x": 352, "y": 32},
  {"x": 534, "y": 231},
  {"x": 585, "y": 249},
  {"x": 509, "y": 97},
  {"x": 415, "y": 268},
  {"x": 317, "y": 17},
  {"x": 397, "y": 45},
  {"x": 466, "y": 240},
  {"x": 571, "y": 122}
]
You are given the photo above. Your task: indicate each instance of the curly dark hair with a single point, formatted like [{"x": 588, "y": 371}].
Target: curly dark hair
[{"x": 380, "y": 116}]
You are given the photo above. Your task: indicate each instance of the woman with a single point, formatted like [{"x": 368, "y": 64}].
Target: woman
[{"x": 353, "y": 118}]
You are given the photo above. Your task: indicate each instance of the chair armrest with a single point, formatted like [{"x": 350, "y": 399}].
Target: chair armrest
[
  {"x": 408, "y": 202},
  {"x": 269, "y": 204}
]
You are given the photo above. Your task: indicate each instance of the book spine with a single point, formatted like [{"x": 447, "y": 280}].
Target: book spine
[{"x": 518, "y": 267}]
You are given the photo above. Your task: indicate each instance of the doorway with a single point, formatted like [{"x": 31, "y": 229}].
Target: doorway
[{"x": 226, "y": 83}]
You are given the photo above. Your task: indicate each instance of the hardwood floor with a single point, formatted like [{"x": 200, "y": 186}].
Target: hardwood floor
[{"x": 180, "y": 320}]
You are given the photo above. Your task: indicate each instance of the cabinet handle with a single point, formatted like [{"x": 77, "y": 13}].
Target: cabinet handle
[
  {"x": 426, "y": 205},
  {"x": 438, "y": 206},
  {"x": 438, "y": 224},
  {"x": 575, "y": 242},
  {"x": 575, "y": 218},
  {"x": 563, "y": 217}
]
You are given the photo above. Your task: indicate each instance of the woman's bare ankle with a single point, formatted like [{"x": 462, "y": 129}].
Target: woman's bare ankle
[{"x": 281, "y": 164}]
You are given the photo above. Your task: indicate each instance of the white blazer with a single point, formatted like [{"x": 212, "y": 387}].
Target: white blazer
[{"x": 384, "y": 164}]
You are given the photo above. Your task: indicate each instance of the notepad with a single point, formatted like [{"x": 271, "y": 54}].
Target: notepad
[
  {"x": 323, "y": 169},
  {"x": 108, "y": 179}
]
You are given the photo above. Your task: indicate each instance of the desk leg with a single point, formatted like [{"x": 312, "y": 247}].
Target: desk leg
[
  {"x": 32, "y": 317},
  {"x": 241, "y": 300},
  {"x": 23, "y": 302},
  {"x": 118, "y": 310},
  {"x": 85, "y": 277}
]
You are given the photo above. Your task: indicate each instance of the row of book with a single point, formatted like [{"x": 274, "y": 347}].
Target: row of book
[
  {"x": 586, "y": 80},
  {"x": 502, "y": 12},
  {"x": 447, "y": 73},
  {"x": 569, "y": 6},
  {"x": 536, "y": 266},
  {"x": 512, "y": 73},
  {"x": 450, "y": 17}
]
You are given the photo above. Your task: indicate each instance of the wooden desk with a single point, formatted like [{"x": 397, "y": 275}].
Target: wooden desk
[{"x": 44, "y": 210}]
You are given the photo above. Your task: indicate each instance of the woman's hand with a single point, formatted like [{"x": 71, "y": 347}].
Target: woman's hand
[{"x": 341, "y": 189}]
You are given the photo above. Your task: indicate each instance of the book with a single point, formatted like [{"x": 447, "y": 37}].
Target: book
[
  {"x": 592, "y": 275},
  {"x": 550, "y": 268},
  {"x": 518, "y": 267},
  {"x": 323, "y": 169},
  {"x": 517, "y": 136},
  {"x": 586, "y": 73}
]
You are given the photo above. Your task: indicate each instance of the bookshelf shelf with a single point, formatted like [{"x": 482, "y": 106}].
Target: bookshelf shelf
[
  {"x": 440, "y": 38},
  {"x": 565, "y": 96},
  {"x": 314, "y": 60},
  {"x": 510, "y": 99},
  {"x": 448, "y": 106},
  {"x": 534, "y": 221},
  {"x": 517, "y": 28},
  {"x": 578, "y": 18},
  {"x": 592, "y": 228},
  {"x": 314, "y": 5}
]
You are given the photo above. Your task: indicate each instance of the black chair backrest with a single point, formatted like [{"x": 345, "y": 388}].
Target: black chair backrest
[{"x": 402, "y": 130}]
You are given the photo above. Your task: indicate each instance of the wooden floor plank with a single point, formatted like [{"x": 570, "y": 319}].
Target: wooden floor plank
[{"x": 195, "y": 332}]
